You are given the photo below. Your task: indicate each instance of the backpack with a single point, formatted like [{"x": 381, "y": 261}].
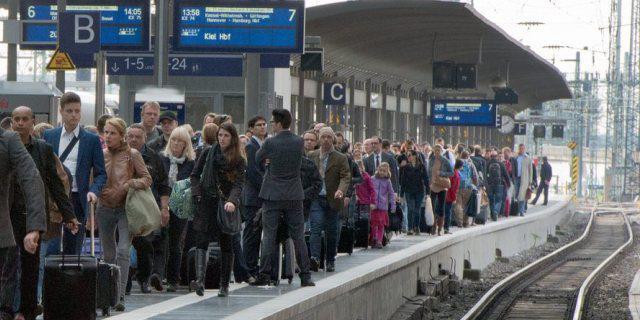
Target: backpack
[
  {"x": 494, "y": 174},
  {"x": 466, "y": 175}
]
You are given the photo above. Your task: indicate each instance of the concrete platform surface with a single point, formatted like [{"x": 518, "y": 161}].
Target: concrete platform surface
[{"x": 246, "y": 302}]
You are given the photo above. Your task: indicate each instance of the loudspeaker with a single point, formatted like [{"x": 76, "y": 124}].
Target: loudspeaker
[
  {"x": 312, "y": 60},
  {"x": 539, "y": 132},
  {"x": 557, "y": 131},
  {"x": 466, "y": 74},
  {"x": 506, "y": 96},
  {"x": 444, "y": 75}
]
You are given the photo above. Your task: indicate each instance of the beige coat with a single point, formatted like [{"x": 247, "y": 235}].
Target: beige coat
[{"x": 526, "y": 178}]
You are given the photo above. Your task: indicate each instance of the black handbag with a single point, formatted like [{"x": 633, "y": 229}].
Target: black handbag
[{"x": 229, "y": 222}]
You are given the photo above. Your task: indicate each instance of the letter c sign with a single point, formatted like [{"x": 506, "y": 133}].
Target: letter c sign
[{"x": 335, "y": 94}]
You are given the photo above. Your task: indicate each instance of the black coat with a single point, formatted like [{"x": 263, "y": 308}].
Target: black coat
[
  {"x": 217, "y": 174},
  {"x": 253, "y": 181},
  {"x": 184, "y": 170},
  {"x": 153, "y": 162},
  {"x": 545, "y": 172},
  {"x": 413, "y": 180},
  {"x": 311, "y": 182}
]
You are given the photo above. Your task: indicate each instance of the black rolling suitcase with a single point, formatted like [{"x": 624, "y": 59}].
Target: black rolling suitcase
[
  {"x": 70, "y": 286},
  {"x": 347, "y": 238},
  {"x": 362, "y": 227}
]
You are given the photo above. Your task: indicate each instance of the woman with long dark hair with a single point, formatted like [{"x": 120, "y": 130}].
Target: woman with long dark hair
[{"x": 218, "y": 175}]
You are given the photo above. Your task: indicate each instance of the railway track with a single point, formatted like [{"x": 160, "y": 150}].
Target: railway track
[{"x": 555, "y": 286}]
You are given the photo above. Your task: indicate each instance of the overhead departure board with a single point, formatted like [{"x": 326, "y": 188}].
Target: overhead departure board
[
  {"x": 124, "y": 23},
  {"x": 463, "y": 113},
  {"x": 239, "y": 26}
]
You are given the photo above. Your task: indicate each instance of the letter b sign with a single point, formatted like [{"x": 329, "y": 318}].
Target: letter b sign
[
  {"x": 335, "y": 94},
  {"x": 79, "y": 32}
]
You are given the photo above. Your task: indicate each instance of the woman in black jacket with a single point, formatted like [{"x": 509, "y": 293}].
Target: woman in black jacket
[
  {"x": 222, "y": 167},
  {"x": 178, "y": 161},
  {"x": 413, "y": 183}
]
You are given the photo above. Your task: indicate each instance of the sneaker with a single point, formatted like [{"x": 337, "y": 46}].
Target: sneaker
[
  {"x": 120, "y": 306},
  {"x": 156, "y": 282},
  {"x": 331, "y": 266},
  {"x": 410, "y": 233},
  {"x": 144, "y": 287},
  {"x": 172, "y": 287},
  {"x": 250, "y": 280},
  {"x": 314, "y": 264},
  {"x": 263, "y": 280}
]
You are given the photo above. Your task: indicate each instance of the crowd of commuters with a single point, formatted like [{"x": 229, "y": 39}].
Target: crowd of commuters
[{"x": 305, "y": 187}]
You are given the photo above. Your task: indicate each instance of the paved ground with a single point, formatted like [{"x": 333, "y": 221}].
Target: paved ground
[{"x": 185, "y": 305}]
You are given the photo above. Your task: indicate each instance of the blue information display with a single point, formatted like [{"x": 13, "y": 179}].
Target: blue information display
[
  {"x": 124, "y": 23},
  {"x": 463, "y": 113},
  {"x": 179, "y": 65},
  {"x": 231, "y": 26},
  {"x": 178, "y": 108}
]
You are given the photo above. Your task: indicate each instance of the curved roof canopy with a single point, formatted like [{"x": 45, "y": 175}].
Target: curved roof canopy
[{"x": 401, "y": 38}]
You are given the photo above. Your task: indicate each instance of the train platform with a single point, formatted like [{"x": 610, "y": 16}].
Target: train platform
[{"x": 291, "y": 301}]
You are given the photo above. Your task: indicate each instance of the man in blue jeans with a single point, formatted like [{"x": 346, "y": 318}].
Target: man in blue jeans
[
  {"x": 325, "y": 211},
  {"x": 497, "y": 180}
]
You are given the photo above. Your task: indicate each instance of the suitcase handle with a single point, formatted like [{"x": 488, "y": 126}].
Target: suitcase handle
[
  {"x": 63, "y": 266},
  {"x": 92, "y": 232}
]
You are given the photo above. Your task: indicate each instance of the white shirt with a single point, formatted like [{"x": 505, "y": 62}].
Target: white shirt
[{"x": 72, "y": 159}]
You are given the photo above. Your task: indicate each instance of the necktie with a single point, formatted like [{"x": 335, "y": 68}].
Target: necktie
[{"x": 377, "y": 161}]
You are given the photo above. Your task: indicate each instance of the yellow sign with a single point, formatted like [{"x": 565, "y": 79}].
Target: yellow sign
[
  {"x": 443, "y": 130},
  {"x": 572, "y": 145},
  {"x": 575, "y": 161},
  {"x": 60, "y": 61}
]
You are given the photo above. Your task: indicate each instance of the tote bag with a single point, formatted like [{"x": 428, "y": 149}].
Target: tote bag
[
  {"x": 428, "y": 212},
  {"x": 143, "y": 213}
]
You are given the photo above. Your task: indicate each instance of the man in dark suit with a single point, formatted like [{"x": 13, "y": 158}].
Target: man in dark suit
[
  {"x": 372, "y": 162},
  {"x": 545, "y": 179},
  {"x": 282, "y": 195},
  {"x": 14, "y": 159},
  {"x": 81, "y": 152},
  {"x": 251, "y": 201},
  {"x": 325, "y": 211}
]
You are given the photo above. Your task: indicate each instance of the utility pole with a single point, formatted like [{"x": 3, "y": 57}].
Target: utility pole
[
  {"x": 60, "y": 81},
  {"x": 161, "y": 54}
]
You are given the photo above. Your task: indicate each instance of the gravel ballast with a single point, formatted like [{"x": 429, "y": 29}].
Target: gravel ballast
[
  {"x": 610, "y": 296},
  {"x": 470, "y": 292}
]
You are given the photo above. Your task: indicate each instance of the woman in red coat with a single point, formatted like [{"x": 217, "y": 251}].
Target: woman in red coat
[{"x": 452, "y": 194}]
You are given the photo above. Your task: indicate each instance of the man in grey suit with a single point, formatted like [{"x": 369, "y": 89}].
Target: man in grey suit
[
  {"x": 14, "y": 159},
  {"x": 282, "y": 195},
  {"x": 372, "y": 162}
]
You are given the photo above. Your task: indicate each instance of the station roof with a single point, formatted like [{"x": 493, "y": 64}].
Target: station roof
[{"x": 397, "y": 40}]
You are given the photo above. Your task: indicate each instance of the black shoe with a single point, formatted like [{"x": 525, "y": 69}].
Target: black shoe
[
  {"x": 156, "y": 282},
  {"x": 263, "y": 280},
  {"x": 224, "y": 291},
  {"x": 307, "y": 283},
  {"x": 120, "y": 306},
  {"x": 250, "y": 280},
  {"x": 144, "y": 287},
  {"x": 314, "y": 264},
  {"x": 172, "y": 287},
  {"x": 331, "y": 266},
  {"x": 39, "y": 310}
]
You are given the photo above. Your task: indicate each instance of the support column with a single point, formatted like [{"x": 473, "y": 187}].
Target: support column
[
  {"x": 12, "y": 49},
  {"x": 303, "y": 113},
  {"x": 252, "y": 86}
]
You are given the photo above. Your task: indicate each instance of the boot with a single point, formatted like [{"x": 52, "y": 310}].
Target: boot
[
  {"x": 226, "y": 265},
  {"x": 201, "y": 267}
]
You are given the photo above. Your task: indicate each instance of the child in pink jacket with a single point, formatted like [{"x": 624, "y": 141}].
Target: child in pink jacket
[{"x": 385, "y": 197}]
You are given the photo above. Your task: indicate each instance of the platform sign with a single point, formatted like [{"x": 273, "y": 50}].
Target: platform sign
[
  {"x": 239, "y": 26},
  {"x": 80, "y": 32},
  {"x": 335, "y": 94},
  {"x": 202, "y": 66},
  {"x": 125, "y": 24},
  {"x": 143, "y": 64},
  {"x": 130, "y": 65},
  {"x": 463, "y": 113}
]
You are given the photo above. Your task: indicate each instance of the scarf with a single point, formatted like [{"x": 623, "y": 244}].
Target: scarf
[{"x": 173, "y": 168}]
